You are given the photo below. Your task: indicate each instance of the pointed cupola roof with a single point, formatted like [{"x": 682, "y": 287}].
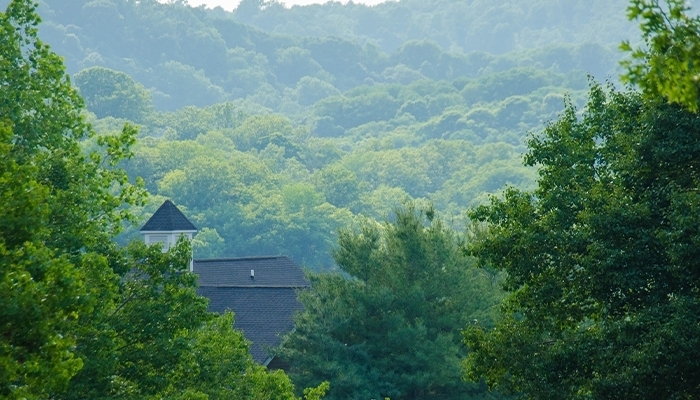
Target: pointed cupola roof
[{"x": 168, "y": 218}]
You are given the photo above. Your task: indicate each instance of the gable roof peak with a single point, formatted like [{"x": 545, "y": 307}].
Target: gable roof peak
[{"x": 168, "y": 218}]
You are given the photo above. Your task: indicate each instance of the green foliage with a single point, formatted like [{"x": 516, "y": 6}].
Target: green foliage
[
  {"x": 190, "y": 122},
  {"x": 226, "y": 370},
  {"x": 256, "y": 132},
  {"x": 81, "y": 317},
  {"x": 113, "y": 93},
  {"x": 667, "y": 66},
  {"x": 238, "y": 177},
  {"x": 388, "y": 326},
  {"x": 505, "y": 84},
  {"x": 311, "y": 90},
  {"x": 327, "y": 114},
  {"x": 183, "y": 85},
  {"x": 293, "y": 63},
  {"x": 60, "y": 209},
  {"x": 134, "y": 343},
  {"x": 316, "y": 393},
  {"x": 352, "y": 111},
  {"x": 340, "y": 186},
  {"x": 154, "y": 339},
  {"x": 415, "y": 53},
  {"x": 38, "y": 289},
  {"x": 249, "y": 205},
  {"x": 495, "y": 27},
  {"x": 208, "y": 244},
  {"x": 600, "y": 259},
  {"x": 191, "y": 56}
]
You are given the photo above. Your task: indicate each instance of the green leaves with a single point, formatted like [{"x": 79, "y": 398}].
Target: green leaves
[
  {"x": 39, "y": 296},
  {"x": 80, "y": 317},
  {"x": 50, "y": 251},
  {"x": 668, "y": 65},
  {"x": 136, "y": 342},
  {"x": 388, "y": 328},
  {"x": 112, "y": 93},
  {"x": 594, "y": 275}
]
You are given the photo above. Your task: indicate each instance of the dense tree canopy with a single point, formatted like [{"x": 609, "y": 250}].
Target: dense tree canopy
[
  {"x": 601, "y": 259},
  {"x": 54, "y": 256},
  {"x": 81, "y": 317},
  {"x": 112, "y": 93},
  {"x": 293, "y": 113},
  {"x": 276, "y": 127},
  {"x": 153, "y": 338},
  {"x": 218, "y": 57},
  {"x": 495, "y": 26},
  {"x": 389, "y": 325}
]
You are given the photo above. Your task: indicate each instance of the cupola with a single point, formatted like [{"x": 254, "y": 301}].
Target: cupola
[{"x": 166, "y": 226}]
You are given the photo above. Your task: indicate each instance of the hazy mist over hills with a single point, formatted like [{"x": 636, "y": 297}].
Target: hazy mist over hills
[
  {"x": 343, "y": 45},
  {"x": 230, "y": 5},
  {"x": 276, "y": 126},
  {"x": 480, "y": 210}
]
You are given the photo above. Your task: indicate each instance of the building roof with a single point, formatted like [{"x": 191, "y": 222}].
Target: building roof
[
  {"x": 270, "y": 271},
  {"x": 264, "y": 315},
  {"x": 263, "y": 305},
  {"x": 168, "y": 218}
]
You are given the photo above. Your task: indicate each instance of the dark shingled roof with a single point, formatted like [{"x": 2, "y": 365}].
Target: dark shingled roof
[
  {"x": 271, "y": 271},
  {"x": 264, "y": 305},
  {"x": 264, "y": 315},
  {"x": 168, "y": 218}
]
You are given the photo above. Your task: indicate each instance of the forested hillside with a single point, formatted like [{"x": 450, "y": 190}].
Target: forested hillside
[
  {"x": 275, "y": 127},
  {"x": 497, "y": 26},
  {"x": 190, "y": 56},
  {"x": 486, "y": 217}
]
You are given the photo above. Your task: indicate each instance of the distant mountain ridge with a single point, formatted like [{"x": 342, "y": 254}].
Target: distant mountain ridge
[
  {"x": 194, "y": 56},
  {"x": 495, "y": 26}
]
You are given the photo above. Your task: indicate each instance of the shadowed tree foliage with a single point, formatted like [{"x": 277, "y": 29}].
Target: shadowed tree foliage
[
  {"x": 152, "y": 338},
  {"x": 601, "y": 259},
  {"x": 389, "y": 325}
]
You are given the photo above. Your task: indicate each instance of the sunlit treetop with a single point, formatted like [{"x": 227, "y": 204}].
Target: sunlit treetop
[{"x": 668, "y": 63}]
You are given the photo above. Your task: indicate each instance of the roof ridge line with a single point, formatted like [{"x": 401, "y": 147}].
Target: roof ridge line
[
  {"x": 239, "y": 258},
  {"x": 257, "y": 286}
]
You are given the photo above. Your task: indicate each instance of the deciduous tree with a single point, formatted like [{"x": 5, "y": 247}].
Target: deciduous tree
[
  {"x": 110, "y": 93},
  {"x": 60, "y": 209},
  {"x": 80, "y": 317},
  {"x": 601, "y": 259},
  {"x": 668, "y": 63}
]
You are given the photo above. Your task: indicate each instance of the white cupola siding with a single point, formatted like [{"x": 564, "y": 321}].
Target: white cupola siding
[{"x": 166, "y": 226}]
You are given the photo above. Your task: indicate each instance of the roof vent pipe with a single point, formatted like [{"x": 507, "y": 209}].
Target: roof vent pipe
[{"x": 252, "y": 274}]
